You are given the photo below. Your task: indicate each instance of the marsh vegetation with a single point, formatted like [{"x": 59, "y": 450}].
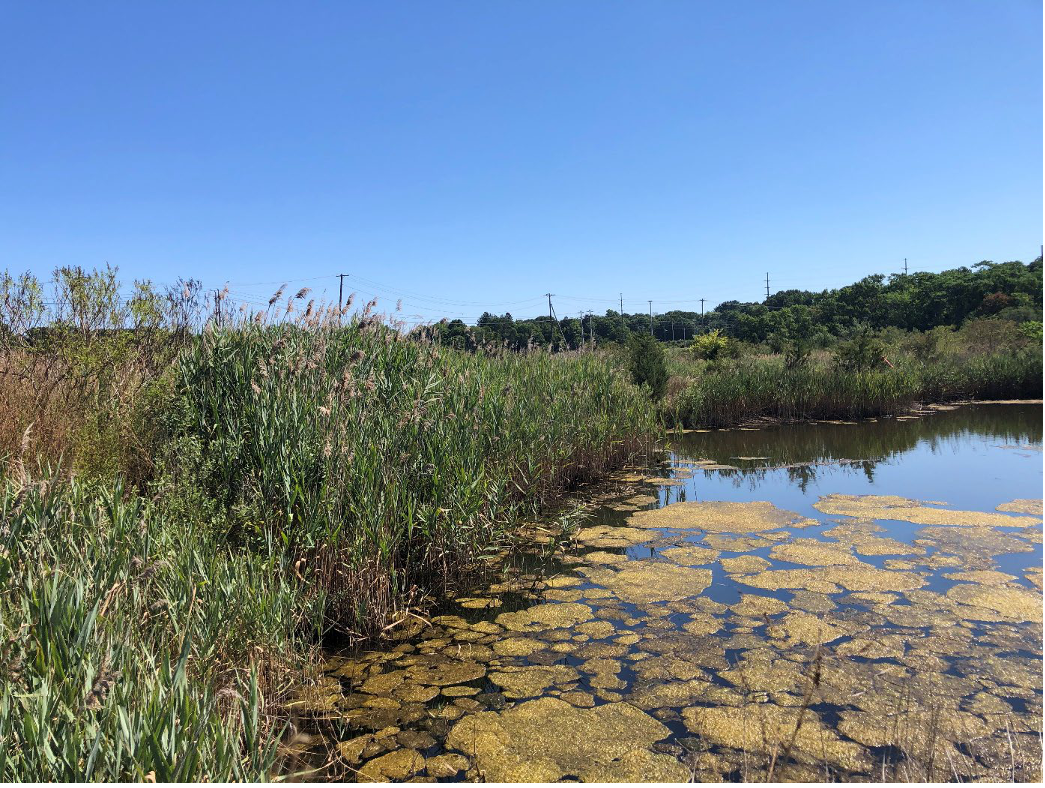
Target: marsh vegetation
[{"x": 208, "y": 512}]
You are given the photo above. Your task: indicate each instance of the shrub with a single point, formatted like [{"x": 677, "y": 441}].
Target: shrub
[
  {"x": 714, "y": 346},
  {"x": 647, "y": 365}
]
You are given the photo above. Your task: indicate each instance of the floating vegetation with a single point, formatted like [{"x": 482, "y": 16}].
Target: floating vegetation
[
  {"x": 893, "y": 507},
  {"x": 547, "y": 740},
  {"x": 720, "y": 517},
  {"x": 744, "y": 564},
  {"x": 766, "y": 728},
  {"x": 1022, "y": 506},
  {"x": 1013, "y": 604},
  {"x": 546, "y": 616},
  {"x": 528, "y": 682},
  {"x": 831, "y": 579},
  {"x": 611, "y": 536},
  {"x": 650, "y": 581},
  {"x": 812, "y": 552}
]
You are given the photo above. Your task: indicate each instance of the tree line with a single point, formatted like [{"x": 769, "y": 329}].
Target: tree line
[{"x": 918, "y": 301}]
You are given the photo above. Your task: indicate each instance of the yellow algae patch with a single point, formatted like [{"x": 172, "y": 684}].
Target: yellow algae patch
[
  {"x": 690, "y": 555},
  {"x": 861, "y": 577},
  {"x": 873, "y": 647},
  {"x": 641, "y": 500},
  {"x": 416, "y": 693},
  {"x": 702, "y": 624},
  {"x": 443, "y": 766},
  {"x": 650, "y": 581},
  {"x": 532, "y": 680},
  {"x": 720, "y": 517},
  {"x": 661, "y": 481},
  {"x": 893, "y": 507},
  {"x": 964, "y": 541},
  {"x": 460, "y": 691},
  {"x": 597, "y": 629},
  {"x": 742, "y": 544},
  {"x": 550, "y": 615},
  {"x": 1022, "y": 506},
  {"x": 562, "y": 581},
  {"x": 881, "y": 545},
  {"x": 548, "y": 739},
  {"x": 397, "y": 765},
  {"x": 1014, "y": 604},
  {"x": 383, "y": 683},
  {"x": 611, "y": 536},
  {"x": 753, "y": 605},
  {"x": 670, "y": 694},
  {"x": 602, "y": 557},
  {"x": 744, "y": 564},
  {"x": 766, "y": 728},
  {"x": 1033, "y": 575},
  {"x": 447, "y": 673},
  {"x": 799, "y": 627},
  {"x": 517, "y": 647},
  {"x": 812, "y": 552},
  {"x": 985, "y": 576}
]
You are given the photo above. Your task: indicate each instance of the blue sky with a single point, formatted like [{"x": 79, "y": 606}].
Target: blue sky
[{"x": 469, "y": 154}]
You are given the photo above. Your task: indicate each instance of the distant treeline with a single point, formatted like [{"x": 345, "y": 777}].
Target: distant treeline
[{"x": 919, "y": 301}]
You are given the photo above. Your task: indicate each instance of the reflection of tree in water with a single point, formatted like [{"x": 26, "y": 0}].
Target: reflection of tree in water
[{"x": 802, "y": 449}]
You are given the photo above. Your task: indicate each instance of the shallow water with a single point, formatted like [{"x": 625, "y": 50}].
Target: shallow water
[{"x": 686, "y": 629}]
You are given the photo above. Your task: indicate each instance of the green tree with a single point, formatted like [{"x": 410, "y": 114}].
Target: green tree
[{"x": 646, "y": 362}]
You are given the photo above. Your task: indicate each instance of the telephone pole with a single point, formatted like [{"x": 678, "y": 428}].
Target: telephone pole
[
  {"x": 702, "y": 314},
  {"x": 905, "y": 266},
  {"x": 651, "y": 318},
  {"x": 550, "y": 317},
  {"x": 340, "y": 289},
  {"x": 767, "y": 285},
  {"x": 623, "y": 326}
]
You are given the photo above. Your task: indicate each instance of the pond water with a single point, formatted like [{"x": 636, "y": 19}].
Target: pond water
[{"x": 814, "y": 602}]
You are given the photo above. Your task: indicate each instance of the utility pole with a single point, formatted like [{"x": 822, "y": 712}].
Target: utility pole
[
  {"x": 672, "y": 330},
  {"x": 767, "y": 285},
  {"x": 651, "y": 318},
  {"x": 702, "y": 314},
  {"x": 623, "y": 327},
  {"x": 905, "y": 266},
  {"x": 340, "y": 290}
]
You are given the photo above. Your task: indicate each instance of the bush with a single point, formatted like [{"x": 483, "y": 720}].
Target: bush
[
  {"x": 647, "y": 365},
  {"x": 714, "y": 346},
  {"x": 861, "y": 353}
]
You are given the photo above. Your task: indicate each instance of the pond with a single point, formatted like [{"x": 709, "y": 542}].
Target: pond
[{"x": 817, "y": 602}]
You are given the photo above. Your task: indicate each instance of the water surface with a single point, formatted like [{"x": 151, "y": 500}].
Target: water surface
[{"x": 753, "y": 607}]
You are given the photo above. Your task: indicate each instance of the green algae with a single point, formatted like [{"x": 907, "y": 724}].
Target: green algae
[
  {"x": 611, "y": 536},
  {"x": 1013, "y": 604}
]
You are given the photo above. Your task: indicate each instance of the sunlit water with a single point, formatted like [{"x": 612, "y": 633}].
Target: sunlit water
[{"x": 918, "y": 658}]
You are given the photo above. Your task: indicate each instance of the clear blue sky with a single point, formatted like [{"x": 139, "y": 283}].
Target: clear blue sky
[{"x": 485, "y": 152}]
